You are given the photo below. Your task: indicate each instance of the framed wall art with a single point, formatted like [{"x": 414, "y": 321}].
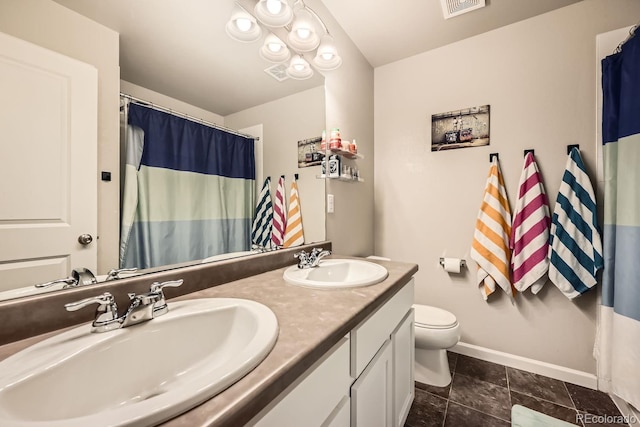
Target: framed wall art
[{"x": 464, "y": 128}]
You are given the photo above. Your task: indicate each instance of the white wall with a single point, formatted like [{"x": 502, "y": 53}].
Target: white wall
[
  {"x": 349, "y": 98},
  {"x": 538, "y": 76},
  {"x": 47, "y": 24},
  {"x": 285, "y": 122}
]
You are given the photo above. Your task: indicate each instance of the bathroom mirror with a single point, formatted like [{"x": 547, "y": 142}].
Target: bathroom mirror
[{"x": 258, "y": 109}]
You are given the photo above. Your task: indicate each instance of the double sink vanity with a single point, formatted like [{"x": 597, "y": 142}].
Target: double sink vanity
[{"x": 249, "y": 341}]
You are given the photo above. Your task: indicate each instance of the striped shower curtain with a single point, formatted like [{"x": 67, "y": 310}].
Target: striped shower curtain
[
  {"x": 618, "y": 344},
  {"x": 189, "y": 190}
]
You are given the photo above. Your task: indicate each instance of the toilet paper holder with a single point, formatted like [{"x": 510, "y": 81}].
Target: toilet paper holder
[{"x": 463, "y": 263}]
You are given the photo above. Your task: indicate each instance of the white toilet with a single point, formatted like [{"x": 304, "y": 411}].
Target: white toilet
[{"x": 436, "y": 330}]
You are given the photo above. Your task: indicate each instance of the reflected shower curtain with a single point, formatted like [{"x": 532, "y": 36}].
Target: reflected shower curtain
[
  {"x": 189, "y": 190},
  {"x": 618, "y": 344}
]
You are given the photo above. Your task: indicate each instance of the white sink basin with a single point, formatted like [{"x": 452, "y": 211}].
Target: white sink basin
[
  {"x": 136, "y": 376},
  {"x": 336, "y": 274}
]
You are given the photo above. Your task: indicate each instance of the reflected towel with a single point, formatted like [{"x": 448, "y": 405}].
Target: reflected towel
[
  {"x": 530, "y": 231},
  {"x": 261, "y": 229},
  {"x": 294, "y": 234},
  {"x": 279, "y": 216},
  {"x": 490, "y": 248},
  {"x": 575, "y": 250}
]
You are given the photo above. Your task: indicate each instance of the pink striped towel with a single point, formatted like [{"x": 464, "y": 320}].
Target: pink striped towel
[
  {"x": 279, "y": 216},
  {"x": 530, "y": 231}
]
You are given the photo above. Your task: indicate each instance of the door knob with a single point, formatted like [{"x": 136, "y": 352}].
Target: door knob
[{"x": 85, "y": 239}]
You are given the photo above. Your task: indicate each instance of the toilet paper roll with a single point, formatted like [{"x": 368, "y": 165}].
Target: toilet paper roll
[{"x": 452, "y": 265}]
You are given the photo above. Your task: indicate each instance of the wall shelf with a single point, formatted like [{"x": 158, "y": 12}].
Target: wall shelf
[
  {"x": 347, "y": 154},
  {"x": 345, "y": 178}
]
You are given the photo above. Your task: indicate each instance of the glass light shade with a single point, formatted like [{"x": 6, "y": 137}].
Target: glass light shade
[
  {"x": 243, "y": 27},
  {"x": 274, "y": 13},
  {"x": 303, "y": 36},
  {"x": 299, "y": 69},
  {"x": 274, "y": 49},
  {"x": 327, "y": 57}
]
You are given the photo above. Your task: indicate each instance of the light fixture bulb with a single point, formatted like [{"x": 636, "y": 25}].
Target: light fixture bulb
[
  {"x": 274, "y": 13},
  {"x": 299, "y": 68},
  {"x": 243, "y": 27},
  {"x": 274, "y": 6},
  {"x": 303, "y": 36},
  {"x": 303, "y": 33},
  {"x": 274, "y": 50},
  {"x": 243, "y": 24},
  {"x": 327, "y": 57}
]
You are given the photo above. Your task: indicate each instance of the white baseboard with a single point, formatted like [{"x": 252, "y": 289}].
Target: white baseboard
[{"x": 561, "y": 373}]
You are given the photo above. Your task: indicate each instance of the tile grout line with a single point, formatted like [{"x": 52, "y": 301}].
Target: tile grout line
[
  {"x": 446, "y": 406},
  {"x": 572, "y": 401}
]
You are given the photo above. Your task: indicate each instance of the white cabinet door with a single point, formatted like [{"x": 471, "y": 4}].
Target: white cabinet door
[
  {"x": 48, "y": 179},
  {"x": 319, "y": 398},
  {"x": 372, "y": 393},
  {"x": 403, "y": 343}
]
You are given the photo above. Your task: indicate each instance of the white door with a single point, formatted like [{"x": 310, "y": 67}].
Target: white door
[
  {"x": 48, "y": 175},
  {"x": 403, "y": 343}
]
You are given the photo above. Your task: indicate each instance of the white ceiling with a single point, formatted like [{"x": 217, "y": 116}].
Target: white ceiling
[{"x": 180, "y": 48}]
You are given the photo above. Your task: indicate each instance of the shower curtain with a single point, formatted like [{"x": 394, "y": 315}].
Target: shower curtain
[
  {"x": 189, "y": 190},
  {"x": 618, "y": 345}
]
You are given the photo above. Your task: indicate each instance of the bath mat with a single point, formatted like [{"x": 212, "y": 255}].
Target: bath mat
[{"x": 525, "y": 417}]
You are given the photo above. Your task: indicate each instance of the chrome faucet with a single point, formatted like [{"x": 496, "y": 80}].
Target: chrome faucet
[
  {"x": 114, "y": 274},
  {"x": 141, "y": 308},
  {"x": 311, "y": 260},
  {"x": 79, "y": 277}
]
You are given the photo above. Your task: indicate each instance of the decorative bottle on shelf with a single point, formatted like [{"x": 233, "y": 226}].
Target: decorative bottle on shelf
[
  {"x": 353, "y": 147},
  {"x": 335, "y": 140},
  {"x": 323, "y": 143}
]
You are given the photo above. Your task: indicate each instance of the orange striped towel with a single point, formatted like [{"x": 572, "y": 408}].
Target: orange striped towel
[
  {"x": 490, "y": 248},
  {"x": 294, "y": 234}
]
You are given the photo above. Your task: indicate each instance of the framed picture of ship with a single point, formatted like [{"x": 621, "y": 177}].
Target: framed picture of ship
[{"x": 464, "y": 128}]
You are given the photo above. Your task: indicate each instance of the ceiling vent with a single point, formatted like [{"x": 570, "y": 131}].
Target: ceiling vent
[
  {"x": 452, "y": 8},
  {"x": 278, "y": 72}
]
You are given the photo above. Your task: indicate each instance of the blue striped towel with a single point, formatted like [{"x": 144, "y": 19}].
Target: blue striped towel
[
  {"x": 261, "y": 229},
  {"x": 575, "y": 248}
]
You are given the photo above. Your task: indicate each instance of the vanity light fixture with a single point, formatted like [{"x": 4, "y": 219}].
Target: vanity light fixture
[{"x": 296, "y": 32}]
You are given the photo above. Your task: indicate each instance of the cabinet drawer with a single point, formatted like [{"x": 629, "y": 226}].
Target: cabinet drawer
[{"x": 368, "y": 336}]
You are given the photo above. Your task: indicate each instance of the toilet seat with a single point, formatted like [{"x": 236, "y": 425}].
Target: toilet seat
[{"x": 434, "y": 318}]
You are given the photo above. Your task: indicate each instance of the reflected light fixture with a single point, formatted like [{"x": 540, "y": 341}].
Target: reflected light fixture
[
  {"x": 274, "y": 13},
  {"x": 243, "y": 27},
  {"x": 299, "y": 68},
  {"x": 295, "y": 30},
  {"x": 274, "y": 50}
]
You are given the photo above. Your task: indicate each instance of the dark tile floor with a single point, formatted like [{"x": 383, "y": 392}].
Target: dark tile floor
[{"x": 482, "y": 393}]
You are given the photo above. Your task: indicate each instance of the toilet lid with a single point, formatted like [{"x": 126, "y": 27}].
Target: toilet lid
[{"x": 433, "y": 317}]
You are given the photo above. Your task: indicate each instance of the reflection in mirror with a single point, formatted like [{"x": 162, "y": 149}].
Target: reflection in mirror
[{"x": 279, "y": 120}]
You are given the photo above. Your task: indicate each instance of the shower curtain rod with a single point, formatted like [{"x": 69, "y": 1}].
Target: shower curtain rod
[{"x": 186, "y": 116}]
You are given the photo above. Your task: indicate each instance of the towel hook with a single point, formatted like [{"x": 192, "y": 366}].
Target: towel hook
[
  {"x": 571, "y": 147},
  {"x": 492, "y": 155},
  {"x": 531, "y": 150}
]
